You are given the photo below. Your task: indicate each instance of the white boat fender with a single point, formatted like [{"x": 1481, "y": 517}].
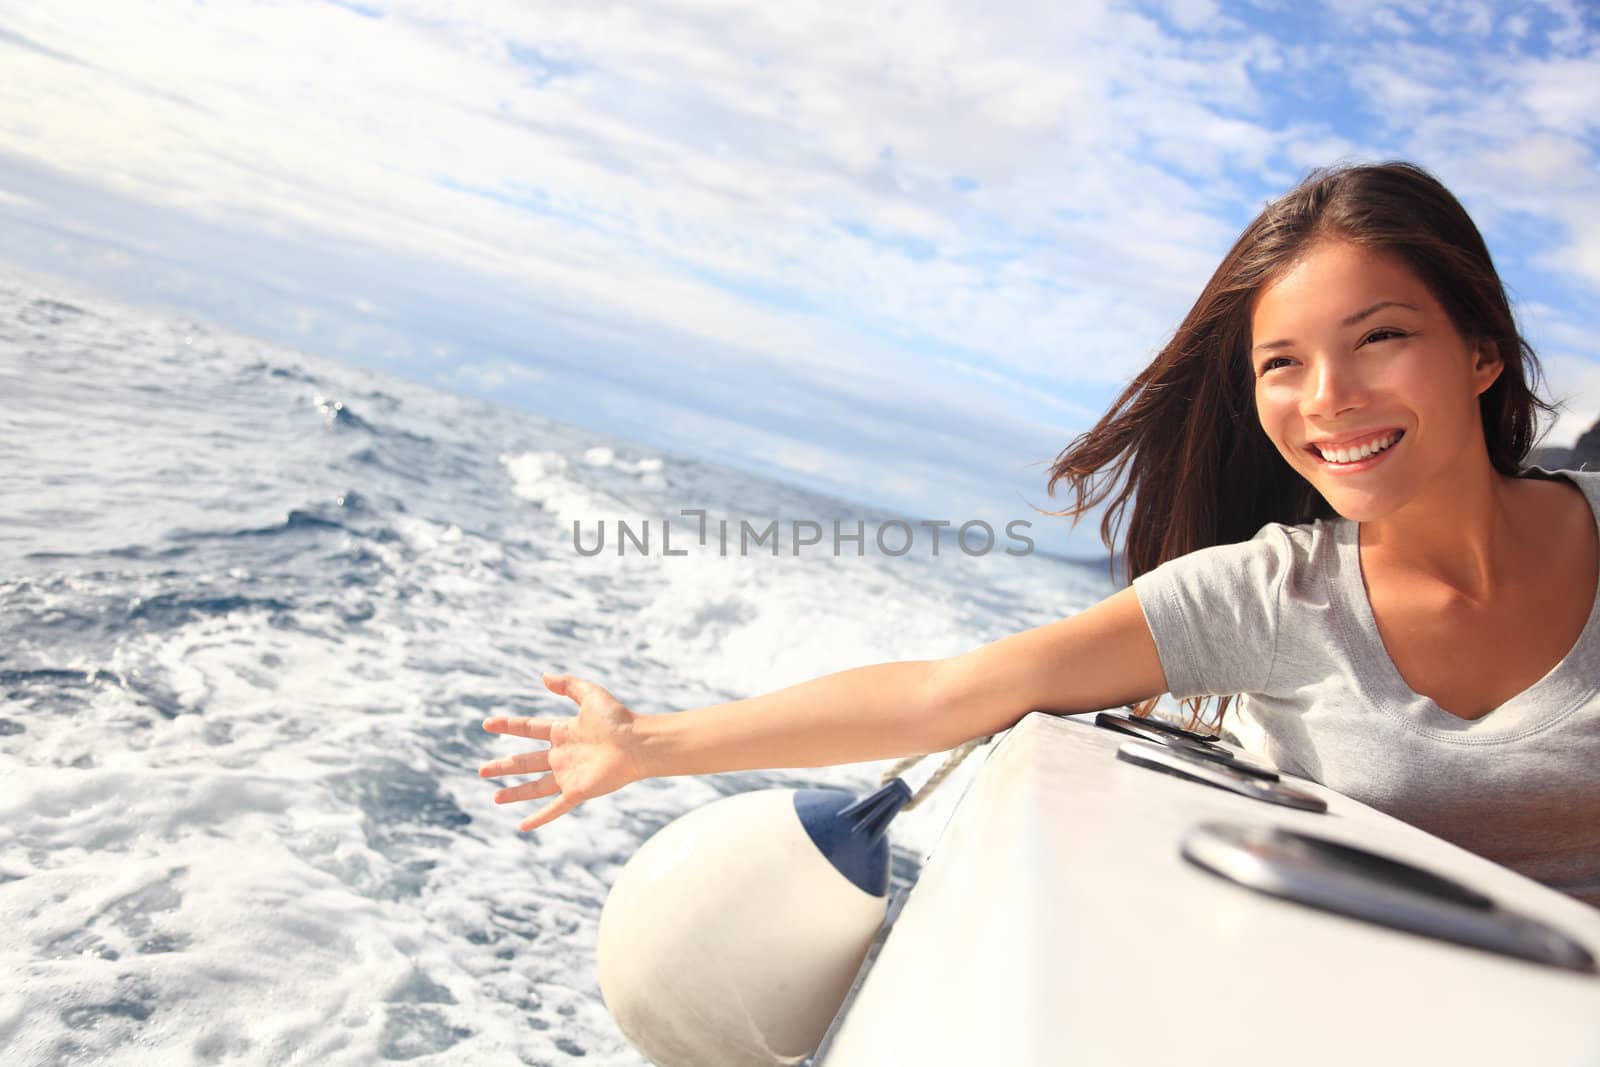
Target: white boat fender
[{"x": 733, "y": 934}]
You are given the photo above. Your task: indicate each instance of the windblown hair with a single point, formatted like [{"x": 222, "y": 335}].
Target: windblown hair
[{"x": 1181, "y": 462}]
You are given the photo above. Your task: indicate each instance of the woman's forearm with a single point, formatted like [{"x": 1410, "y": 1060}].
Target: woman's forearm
[
  {"x": 1101, "y": 657},
  {"x": 868, "y": 713}
]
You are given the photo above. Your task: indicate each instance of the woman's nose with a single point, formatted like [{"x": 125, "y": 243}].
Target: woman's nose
[{"x": 1332, "y": 388}]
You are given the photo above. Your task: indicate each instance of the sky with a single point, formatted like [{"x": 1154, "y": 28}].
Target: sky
[{"x": 899, "y": 252}]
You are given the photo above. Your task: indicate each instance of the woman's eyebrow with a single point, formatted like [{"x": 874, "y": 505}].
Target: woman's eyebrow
[{"x": 1349, "y": 320}]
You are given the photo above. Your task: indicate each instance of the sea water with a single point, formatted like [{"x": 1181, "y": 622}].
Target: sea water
[{"x": 254, "y": 606}]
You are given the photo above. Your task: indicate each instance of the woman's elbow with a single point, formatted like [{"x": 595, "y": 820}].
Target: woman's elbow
[{"x": 960, "y": 703}]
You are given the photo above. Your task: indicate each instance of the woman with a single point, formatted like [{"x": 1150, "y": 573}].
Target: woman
[{"x": 1326, "y": 514}]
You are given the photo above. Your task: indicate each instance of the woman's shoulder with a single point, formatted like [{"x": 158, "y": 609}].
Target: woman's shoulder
[
  {"x": 1304, "y": 561},
  {"x": 1278, "y": 554},
  {"x": 1585, "y": 481},
  {"x": 1308, "y": 542}
]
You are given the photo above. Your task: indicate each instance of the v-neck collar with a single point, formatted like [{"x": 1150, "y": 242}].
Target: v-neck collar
[{"x": 1556, "y": 695}]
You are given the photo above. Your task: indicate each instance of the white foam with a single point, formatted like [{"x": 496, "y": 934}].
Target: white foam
[
  {"x": 602, "y": 456},
  {"x": 271, "y": 818},
  {"x": 543, "y": 479}
]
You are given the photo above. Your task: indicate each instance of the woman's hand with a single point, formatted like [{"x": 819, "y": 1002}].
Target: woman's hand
[{"x": 589, "y": 756}]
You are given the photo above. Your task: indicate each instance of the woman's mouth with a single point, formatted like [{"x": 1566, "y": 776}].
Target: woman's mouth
[{"x": 1358, "y": 455}]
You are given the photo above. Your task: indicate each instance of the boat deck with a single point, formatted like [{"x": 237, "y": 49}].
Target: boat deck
[{"x": 1057, "y": 923}]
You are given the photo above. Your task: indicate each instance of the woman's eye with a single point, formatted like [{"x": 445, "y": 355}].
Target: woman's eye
[
  {"x": 1383, "y": 333},
  {"x": 1273, "y": 364}
]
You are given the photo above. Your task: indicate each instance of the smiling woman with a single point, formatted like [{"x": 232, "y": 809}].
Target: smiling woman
[
  {"x": 1326, "y": 517},
  {"x": 1392, "y": 383},
  {"x": 1414, "y": 621}
]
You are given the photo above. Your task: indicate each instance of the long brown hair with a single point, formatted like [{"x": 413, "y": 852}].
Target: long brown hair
[{"x": 1181, "y": 462}]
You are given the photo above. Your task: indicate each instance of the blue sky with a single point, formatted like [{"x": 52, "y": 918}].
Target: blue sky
[{"x": 902, "y": 252}]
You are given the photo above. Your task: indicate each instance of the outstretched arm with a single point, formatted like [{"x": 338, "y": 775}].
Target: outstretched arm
[
  {"x": 1099, "y": 658},
  {"x": 1103, "y": 657}
]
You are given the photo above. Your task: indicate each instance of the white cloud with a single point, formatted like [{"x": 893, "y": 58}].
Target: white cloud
[
  {"x": 1560, "y": 94},
  {"x": 816, "y": 119},
  {"x": 494, "y": 375},
  {"x": 1193, "y": 14},
  {"x": 974, "y": 211},
  {"x": 1569, "y": 356},
  {"x": 1574, "y": 384}
]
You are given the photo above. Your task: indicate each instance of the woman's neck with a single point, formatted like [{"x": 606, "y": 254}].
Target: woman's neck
[{"x": 1467, "y": 530}]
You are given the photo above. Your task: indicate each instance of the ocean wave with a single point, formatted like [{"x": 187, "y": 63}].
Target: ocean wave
[
  {"x": 298, "y": 520},
  {"x": 56, "y": 678},
  {"x": 543, "y": 479},
  {"x": 290, "y": 372},
  {"x": 244, "y": 673},
  {"x": 339, "y": 415},
  {"x": 47, "y": 312},
  {"x": 173, "y": 609}
]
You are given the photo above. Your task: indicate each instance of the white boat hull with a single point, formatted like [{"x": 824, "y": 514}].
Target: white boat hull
[{"x": 1057, "y": 923}]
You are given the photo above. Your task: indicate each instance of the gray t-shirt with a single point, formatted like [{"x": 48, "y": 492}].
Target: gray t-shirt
[{"x": 1284, "y": 620}]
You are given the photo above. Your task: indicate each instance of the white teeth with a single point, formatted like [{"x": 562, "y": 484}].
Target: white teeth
[{"x": 1354, "y": 455}]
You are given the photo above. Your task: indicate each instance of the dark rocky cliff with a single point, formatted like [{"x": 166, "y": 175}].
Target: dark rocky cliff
[{"x": 1585, "y": 455}]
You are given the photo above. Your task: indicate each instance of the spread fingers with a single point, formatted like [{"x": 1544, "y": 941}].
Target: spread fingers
[
  {"x": 569, "y": 686},
  {"x": 541, "y": 787},
  {"x": 538, "y": 729},
  {"x": 521, "y": 763}
]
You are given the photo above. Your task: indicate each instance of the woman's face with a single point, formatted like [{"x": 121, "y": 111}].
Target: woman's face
[{"x": 1362, "y": 382}]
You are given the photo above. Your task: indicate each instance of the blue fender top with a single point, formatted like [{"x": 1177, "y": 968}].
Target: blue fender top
[{"x": 852, "y": 833}]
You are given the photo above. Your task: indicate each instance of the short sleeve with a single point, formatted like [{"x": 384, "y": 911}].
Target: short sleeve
[{"x": 1214, "y": 613}]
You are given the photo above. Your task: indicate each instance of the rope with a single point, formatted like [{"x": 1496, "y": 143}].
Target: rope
[{"x": 952, "y": 761}]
